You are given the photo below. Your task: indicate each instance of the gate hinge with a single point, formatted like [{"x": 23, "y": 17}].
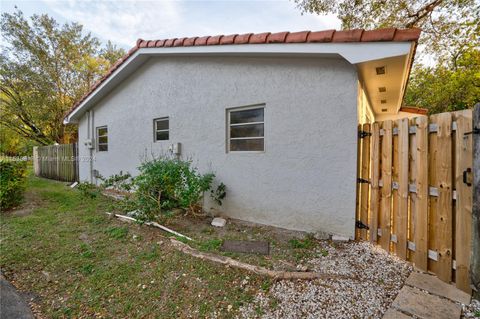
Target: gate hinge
[
  {"x": 360, "y": 225},
  {"x": 363, "y": 181},
  {"x": 362, "y": 134},
  {"x": 476, "y": 130}
]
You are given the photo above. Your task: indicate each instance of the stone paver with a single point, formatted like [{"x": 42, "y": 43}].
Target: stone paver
[
  {"x": 437, "y": 287},
  {"x": 424, "y": 305},
  {"x": 395, "y": 314}
]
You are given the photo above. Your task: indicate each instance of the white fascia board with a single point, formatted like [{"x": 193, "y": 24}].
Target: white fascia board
[{"x": 354, "y": 53}]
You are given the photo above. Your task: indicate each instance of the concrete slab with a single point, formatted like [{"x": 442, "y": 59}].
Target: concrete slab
[
  {"x": 437, "y": 287},
  {"x": 395, "y": 314},
  {"x": 12, "y": 304},
  {"x": 424, "y": 305},
  {"x": 249, "y": 247}
]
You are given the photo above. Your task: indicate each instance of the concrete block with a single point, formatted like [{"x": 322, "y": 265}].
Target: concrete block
[
  {"x": 218, "y": 222},
  {"x": 423, "y": 305},
  {"x": 437, "y": 287}
]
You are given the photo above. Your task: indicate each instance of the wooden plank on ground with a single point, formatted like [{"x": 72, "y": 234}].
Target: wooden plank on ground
[
  {"x": 385, "y": 220},
  {"x": 374, "y": 177},
  {"x": 463, "y": 223},
  {"x": 441, "y": 218},
  {"x": 365, "y": 172},
  {"x": 401, "y": 212},
  {"x": 420, "y": 208}
]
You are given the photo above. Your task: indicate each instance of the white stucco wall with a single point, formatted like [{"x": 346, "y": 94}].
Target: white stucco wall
[{"x": 305, "y": 179}]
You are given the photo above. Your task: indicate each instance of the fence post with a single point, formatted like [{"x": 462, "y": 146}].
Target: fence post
[
  {"x": 36, "y": 163},
  {"x": 475, "y": 257}
]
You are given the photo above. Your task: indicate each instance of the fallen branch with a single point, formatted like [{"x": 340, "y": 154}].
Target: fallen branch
[
  {"x": 154, "y": 224},
  {"x": 255, "y": 269}
]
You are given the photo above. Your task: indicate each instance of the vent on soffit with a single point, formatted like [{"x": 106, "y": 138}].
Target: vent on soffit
[
  {"x": 383, "y": 101},
  {"x": 384, "y": 110},
  {"x": 382, "y": 89},
  {"x": 380, "y": 70}
]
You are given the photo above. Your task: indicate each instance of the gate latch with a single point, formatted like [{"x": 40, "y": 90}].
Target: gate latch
[
  {"x": 467, "y": 180},
  {"x": 363, "y": 181},
  {"x": 362, "y": 134},
  {"x": 361, "y": 225}
]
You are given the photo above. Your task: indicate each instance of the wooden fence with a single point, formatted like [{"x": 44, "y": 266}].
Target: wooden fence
[
  {"x": 57, "y": 162},
  {"x": 414, "y": 195}
]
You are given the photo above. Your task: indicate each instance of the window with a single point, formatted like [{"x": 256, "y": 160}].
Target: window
[
  {"x": 102, "y": 139},
  {"x": 160, "y": 128},
  {"x": 246, "y": 129}
]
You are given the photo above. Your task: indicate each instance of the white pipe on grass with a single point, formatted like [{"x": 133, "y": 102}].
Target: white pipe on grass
[{"x": 151, "y": 224}]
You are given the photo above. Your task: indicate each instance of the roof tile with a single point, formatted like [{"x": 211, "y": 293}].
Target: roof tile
[
  {"x": 348, "y": 35},
  {"x": 278, "y": 37},
  {"x": 179, "y": 42},
  {"x": 259, "y": 38},
  {"x": 169, "y": 42},
  {"x": 189, "y": 41},
  {"x": 243, "y": 38},
  {"x": 407, "y": 35},
  {"x": 321, "y": 36},
  {"x": 202, "y": 40},
  {"x": 297, "y": 37},
  {"x": 215, "y": 40},
  {"x": 228, "y": 39},
  {"x": 378, "y": 35},
  {"x": 160, "y": 43}
]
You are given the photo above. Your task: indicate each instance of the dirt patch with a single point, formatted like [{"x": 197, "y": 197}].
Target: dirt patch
[{"x": 30, "y": 202}]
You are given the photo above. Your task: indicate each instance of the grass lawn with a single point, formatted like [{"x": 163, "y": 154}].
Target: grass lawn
[{"x": 62, "y": 248}]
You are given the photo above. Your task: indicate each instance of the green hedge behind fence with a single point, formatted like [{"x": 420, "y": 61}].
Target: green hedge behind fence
[{"x": 12, "y": 183}]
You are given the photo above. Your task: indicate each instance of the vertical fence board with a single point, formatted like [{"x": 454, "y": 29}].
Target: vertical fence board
[
  {"x": 463, "y": 229},
  {"x": 364, "y": 186},
  {"x": 420, "y": 211},
  {"x": 394, "y": 203},
  {"x": 412, "y": 173},
  {"x": 374, "y": 177},
  {"x": 401, "y": 211},
  {"x": 385, "y": 221},
  {"x": 441, "y": 217},
  {"x": 57, "y": 162}
]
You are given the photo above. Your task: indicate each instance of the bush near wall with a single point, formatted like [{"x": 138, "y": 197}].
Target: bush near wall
[{"x": 12, "y": 183}]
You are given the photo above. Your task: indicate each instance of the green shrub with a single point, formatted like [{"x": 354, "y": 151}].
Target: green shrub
[
  {"x": 88, "y": 190},
  {"x": 119, "y": 181},
  {"x": 167, "y": 183},
  {"x": 12, "y": 183}
]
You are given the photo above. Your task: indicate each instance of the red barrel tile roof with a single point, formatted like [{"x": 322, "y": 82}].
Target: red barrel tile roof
[
  {"x": 325, "y": 36},
  {"x": 413, "y": 109}
]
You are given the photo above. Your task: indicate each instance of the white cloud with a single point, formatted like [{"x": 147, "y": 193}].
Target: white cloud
[{"x": 123, "y": 22}]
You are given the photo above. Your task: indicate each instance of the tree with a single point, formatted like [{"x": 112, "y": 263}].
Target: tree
[
  {"x": 44, "y": 69},
  {"x": 450, "y": 37},
  {"x": 448, "y": 27},
  {"x": 446, "y": 88}
]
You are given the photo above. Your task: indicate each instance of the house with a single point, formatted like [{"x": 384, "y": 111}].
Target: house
[{"x": 274, "y": 115}]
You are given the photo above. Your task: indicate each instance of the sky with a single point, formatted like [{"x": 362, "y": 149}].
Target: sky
[{"x": 123, "y": 22}]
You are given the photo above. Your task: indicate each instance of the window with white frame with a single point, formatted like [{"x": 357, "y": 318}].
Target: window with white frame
[
  {"x": 102, "y": 139},
  {"x": 161, "y": 127},
  {"x": 246, "y": 128}
]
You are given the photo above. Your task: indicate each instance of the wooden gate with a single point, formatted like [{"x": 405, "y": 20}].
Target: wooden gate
[
  {"x": 414, "y": 194},
  {"x": 57, "y": 162}
]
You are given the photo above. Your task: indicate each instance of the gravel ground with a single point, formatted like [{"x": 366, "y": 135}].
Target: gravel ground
[
  {"x": 376, "y": 278},
  {"x": 472, "y": 310}
]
